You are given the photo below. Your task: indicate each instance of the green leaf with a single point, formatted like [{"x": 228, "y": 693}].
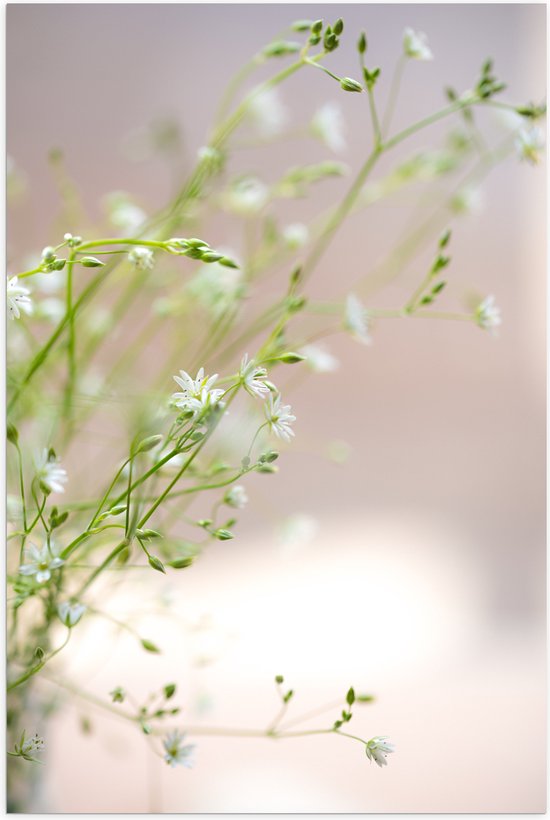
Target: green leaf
[
  {"x": 350, "y": 697},
  {"x": 149, "y": 646}
]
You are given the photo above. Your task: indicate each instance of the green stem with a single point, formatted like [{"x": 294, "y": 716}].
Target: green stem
[{"x": 30, "y": 672}]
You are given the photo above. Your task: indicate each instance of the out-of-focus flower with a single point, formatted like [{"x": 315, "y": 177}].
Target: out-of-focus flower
[
  {"x": 252, "y": 378},
  {"x": 268, "y": 113},
  {"x": 415, "y": 45},
  {"x": 246, "y": 196},
  {"x": 467, "y": 200},
  {"x": 378, "y": 749},
  {"x": 487, "y": 315},
  {"x": 40, "y": 562},
  {"x": 123, "y": 213},
  {"x": 319, "y": 359},
  {"x": 295, "y": 235},
  {"x": 141, "y": 258},
  {"x": 17, "y": 298},
  {"x": 197, "y": 394},
  {"x": 328, "y": 125},
  {"x": 70, "y": 614},
  {"x": 356, "y": 320},
  {"x": 50, "y": 473},
  {"x": 176, "y": 754},
  {"x": 529, "y": 144},
  {"x": 236, "y": 497},
  {"x": 279, "y": 418}
]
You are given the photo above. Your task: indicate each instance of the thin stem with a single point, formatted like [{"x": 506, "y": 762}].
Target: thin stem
[
  {"x": 374, "y": 117},
  {"x": 394, "y": 91}
]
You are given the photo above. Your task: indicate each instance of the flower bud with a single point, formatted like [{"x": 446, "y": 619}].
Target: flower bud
[
  {"x": 147, "y": 444},
  {"x": 156, "y": 563},
  {"x": 348, "y": 84},
  {"x": 91, "y": 262}
]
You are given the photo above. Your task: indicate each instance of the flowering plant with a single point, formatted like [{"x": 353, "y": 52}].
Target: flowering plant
[{"x": 163, "y": 490}]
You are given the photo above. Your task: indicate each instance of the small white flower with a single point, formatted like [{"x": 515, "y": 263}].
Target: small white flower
[
  {"x": 247, "y": 196},
  {"x": 467, "y": 200},
  {"x": 141, "y": 258},
  {"x": 251, "y": 378},
  {"x": 415, "y": 45},
  {"x": 123, "y": 213},
  {"x": 356, "y": 320},
  {"x": 70, "y": 614},
  {"x": 41, "y": 562},
  {"x": 328, "y": 125},
  {"x": 319, "y": 359},
  {"x": 197, "y": 394},
  {"x": 236, "y": 497},
  {"x": 487, "y": 315},
  {"x": 17, "y": 298},
  {"x": 268, "y": 113},
  {"x": 176, "y": 752},
  {"x": 51, "y": 309},
  {"x": 529, "y": 144},
  {"x": 279, "y": 418},
  {"x": 295, "y": 235},
  {"x": 378, "y": 749},
  {"x": 50, "y": 473},
  {"x": 30, "y": 747}
]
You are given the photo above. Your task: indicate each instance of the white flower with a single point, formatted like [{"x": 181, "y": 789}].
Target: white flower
[
  {"x": 319, "y": 359},
  {"x": 356, "y": 320},
  {"x": 70, "y": 614},
  {"x": 328, "y": 125},
  {"x": 50, "y": 473},
  {"x": 246, "y": 196},
  {"x": 279, "y": 418},
  {"x": 487, "y": 315},
  {"x": 236, "y": 497},
  {"x": 197, "y": 394},
  {"x": 377, "y": 749},
  {"x": 141, "y": 258},
  {"x": 51, "y": 309},
  {"x": 30, "y": 747},
  {"x": 17, "y": 299},
  {"x": 176, "y": 752},
  {"x": 268, "y": 113},
  {"x": 41, "y": 562},
  {"x": 529, "y": 144},
  {"x": 123, "y": 213},
  {"x": 216, "y": 287},
  {"x": 295, "y": 235},
  {"x": 415, "y": 45},
  {"x": 467, "y": 200},
  {"x": 251, "y": 378}
]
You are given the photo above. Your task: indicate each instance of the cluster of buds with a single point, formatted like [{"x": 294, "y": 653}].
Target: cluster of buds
[{"x": 198, "y": 249}]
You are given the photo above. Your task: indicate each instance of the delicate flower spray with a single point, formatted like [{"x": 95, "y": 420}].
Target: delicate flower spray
[{"x": 165, "y": 491}]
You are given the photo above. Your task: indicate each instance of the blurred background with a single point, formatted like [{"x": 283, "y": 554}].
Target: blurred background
[{"x": 401, "y": 548}]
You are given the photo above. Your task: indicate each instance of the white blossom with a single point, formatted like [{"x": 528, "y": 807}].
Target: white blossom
[
  {"x": 29, "y": 747},
  {"x": 197, "y": 394},
  {"x": 247, "y": 196},
  {"x": 17, "y": 298},
  {"x": 295, "y": 235},
  {"x": 319, "y": 359},
  {"x": 215, "y": 286},
  {"x": 252, "y": 378},
  {"x": 487, "y": 315},
  {"x": 328, "y": 125},
  {"x": 41, "y": 561},
  {"x": 123, "y": 213},
  {"x": 50, "y": 473},
  {"x": 377, "y": 749},
  {"x": 141, "y": 258},
  {"x": 70, "y": 614},
  {"x": 415, "y": 45},
  {"x": 176, "y": 752},
  {"x": 356, "y": 320},
  {"x": 236, "y": 497},
  {"x": 268, "y": 113},
  {"x": 529, "y": 144},
  {"x": 279, "y": 418}
]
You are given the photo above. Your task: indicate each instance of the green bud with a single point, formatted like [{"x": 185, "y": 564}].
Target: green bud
[
  {"x": 223, "y": 535},
  {"x": 58, "y": 520},
  {"x": 296, "y": 275},
  {"x": 193, "y": 242},
  {"x": 314, "y": 40},
  {"x": 280, "y": 48},
  {"x": 149, "y": 646},
  {"x": 350, "y": 697},
  {"x": 444, "y": 241},
  {"x": 59, "y": 264},
  {"x": 272, "y": 455},
  {"x": 180, "y": 563},
  {"x": 338, "y": 27},
  {"x": 228, "y": 263},
  {"x": 204, "y": 522},
  {"x": 364, "y": 698},
  {"x": 348, "y": 84},
  {"x": 267, "y": 468},
  {"x": 39, "y": 653},
  {"x": 291, "y": 358},
  {"x": 120, "y": 508},
  {"x": 211, "y": 256},
  {"x": 362, "y": 43},
  {"x": 147, "y": 444},
  {"x": 48, "y": 254},
  {"x": 91, "y": 262},
  {"x": 146, "y": 728},
  {"x": 156, "y": 563},
  {"x": 194, "y": 253},
  {"x": 169, "y": 690},
  {"x": 438, "y": 288},
  {"x": 317, "y": 27},
  {"x": 12, "y": 434},
  {"x": 118, "y": 695},
  {"x": 288, "y": 696},
  {"x": 148, "y": 535},
  {"x": 337, "y": 724},
  {"x": 279, "y": 679},
  {"x": 301, "y": 25},
  {"x": 45, "y": 490}
]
